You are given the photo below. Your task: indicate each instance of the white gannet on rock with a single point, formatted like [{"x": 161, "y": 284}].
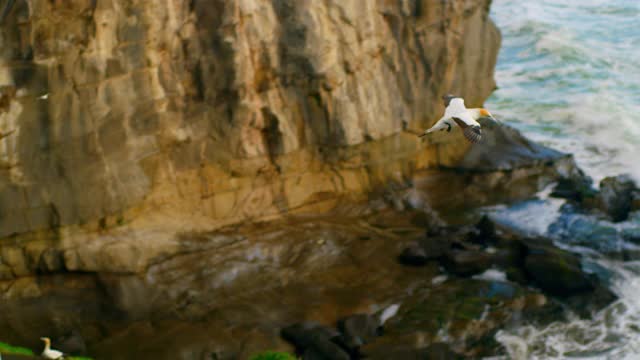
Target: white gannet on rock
[
  {"x": 48, "y": 352},
  {"x": 456, "y": 114}
]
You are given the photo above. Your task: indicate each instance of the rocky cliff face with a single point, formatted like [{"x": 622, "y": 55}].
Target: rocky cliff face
[{"x": 128, "y": 121}]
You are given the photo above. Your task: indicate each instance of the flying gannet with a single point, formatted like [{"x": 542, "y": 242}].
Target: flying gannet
[
  {"x": 48, "y": 352},
  {"x": 456, "y": 114}
]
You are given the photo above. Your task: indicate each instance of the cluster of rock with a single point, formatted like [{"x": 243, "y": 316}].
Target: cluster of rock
[
  {"x": 616, "y": 197},
  {"x": 489, "y": 279},
  {"x": 319, "y": 342},
  {"x": 528, "y": 261}
]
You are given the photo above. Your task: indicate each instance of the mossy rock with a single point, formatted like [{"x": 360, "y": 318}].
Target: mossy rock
[
  {"x": 459, "y": 301},
  {"x": 272, "y": 355},
  {"x": 556, "y": 271}
]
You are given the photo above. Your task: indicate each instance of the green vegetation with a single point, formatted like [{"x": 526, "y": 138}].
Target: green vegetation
[
  {"x": 16, "y": 350},
  {"x": 273, "y": 355}
]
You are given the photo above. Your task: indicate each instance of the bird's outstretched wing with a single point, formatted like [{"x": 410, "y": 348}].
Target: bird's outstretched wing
[
  {"x": 489, "y": 121},
  {"x": 471, "y": 132}
]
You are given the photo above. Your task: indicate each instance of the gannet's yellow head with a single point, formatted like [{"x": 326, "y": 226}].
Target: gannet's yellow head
[
  {"x": 45, "y": 339},
  {"x": 485, "y": 113}
]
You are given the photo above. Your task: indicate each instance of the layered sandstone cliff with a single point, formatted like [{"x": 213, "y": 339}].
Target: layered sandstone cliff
[{"x": 131, "y": 120}]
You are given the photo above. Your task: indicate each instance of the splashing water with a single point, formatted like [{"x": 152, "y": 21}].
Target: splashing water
[
  {"x": 568, "y": 77},
  {"x": 613, "y": 333}
]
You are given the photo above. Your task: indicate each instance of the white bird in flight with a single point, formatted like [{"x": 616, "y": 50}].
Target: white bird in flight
[
  {"x": 48, "y": 352},
  {"x": 456, "y": 114}
]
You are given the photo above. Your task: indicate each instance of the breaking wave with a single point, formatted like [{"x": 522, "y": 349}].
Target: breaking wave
[{"x": 568, "y": 77}]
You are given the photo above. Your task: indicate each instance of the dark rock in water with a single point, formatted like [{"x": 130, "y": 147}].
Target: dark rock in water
[
  {"x": 632, "y": 234},
  {"x": 466, "y": 262},
  {"x": 516, "y": 274},
  {"x": 435, "y": 247},
  {"x": 615, "y": 197},
  {"x": 484, "y": 232},
  {"x": 577, "y": 188},
  {"x": 413, "y": 255},
  {"x": 556, "y": 271},
  {"x": 417, "y": 253},
  {"x": 635, "y": 200},
  {"x": 314, "y": 341},
  {"x": 358, "y": 330},
  {"x": 584, "y": 306}
]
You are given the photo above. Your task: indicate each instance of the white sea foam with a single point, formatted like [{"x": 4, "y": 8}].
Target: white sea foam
[
  {"x": 491, "y": 275},
  {"x": 388, "y": 313}
]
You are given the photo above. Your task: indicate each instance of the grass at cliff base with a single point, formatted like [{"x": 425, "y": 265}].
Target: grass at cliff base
[{"x": 7, "y": 349}]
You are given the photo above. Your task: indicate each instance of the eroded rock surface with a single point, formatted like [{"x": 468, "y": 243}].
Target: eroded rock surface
[{"x": 223, "y": 111}]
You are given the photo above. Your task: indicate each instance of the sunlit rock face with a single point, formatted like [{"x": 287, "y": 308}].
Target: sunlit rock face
[{"x": 129, "y": 120}]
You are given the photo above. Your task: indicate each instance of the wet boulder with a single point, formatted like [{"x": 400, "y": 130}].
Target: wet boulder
[
  {"x": 556, "y": 271},
  {"x": 418, "y": 253},
  {"x": 466, "y": 262},
  {"x": 635, "y": 200},
  {"x": 484, "y": 232},
  {"x": 576, "y": 188},
  {"x": 616, "y": 196},
  {"x": 315, "y": 341},
  {"x": 358, "y": 330},
  {"x": 413, "y": 255}
]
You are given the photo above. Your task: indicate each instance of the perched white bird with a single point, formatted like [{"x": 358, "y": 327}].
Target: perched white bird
[
  {"x": 48, "y": 352},
  {"x": 456, "y": 114}
]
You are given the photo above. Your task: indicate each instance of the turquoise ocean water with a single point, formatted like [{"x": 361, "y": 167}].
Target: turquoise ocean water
[{"x": 569, "y": 76}]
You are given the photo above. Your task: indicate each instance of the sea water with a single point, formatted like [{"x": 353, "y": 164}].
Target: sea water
[{"x": 568, "y": 76}]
